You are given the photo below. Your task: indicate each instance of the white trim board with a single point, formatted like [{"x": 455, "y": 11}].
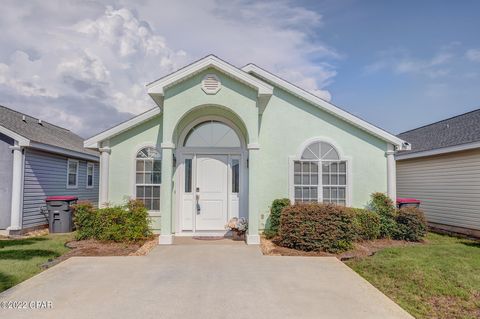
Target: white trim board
[
  {"x": 330, "y": 108},
  {"x": 157, "y": 88},
  {"x": 438, "y": 151},
  {"x": 93, "y": 142},
  {"x": 22, "y": 141},
  {"x": 63, "y": 151}
]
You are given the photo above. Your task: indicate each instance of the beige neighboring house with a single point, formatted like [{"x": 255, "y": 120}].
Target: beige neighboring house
[{"x": 442, "y": 170}]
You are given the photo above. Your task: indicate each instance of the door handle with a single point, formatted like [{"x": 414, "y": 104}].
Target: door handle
[{"x": 197, "y": 197}]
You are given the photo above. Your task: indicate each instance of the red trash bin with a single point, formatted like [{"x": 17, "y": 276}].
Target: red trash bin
[{"x": 406, "y": 202}]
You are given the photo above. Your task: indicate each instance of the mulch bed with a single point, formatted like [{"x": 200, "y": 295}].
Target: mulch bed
[
  {"x": 95, "y": 248},
  {"x": 360, "y": 250}
]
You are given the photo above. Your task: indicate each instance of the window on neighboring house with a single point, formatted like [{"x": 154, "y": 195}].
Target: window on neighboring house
[
  {"x": 72, "y": 173},
  {"x": 320, "y": 175},
  {"x": 90, "y": 172},
  {"x": 148, "y": 178}
]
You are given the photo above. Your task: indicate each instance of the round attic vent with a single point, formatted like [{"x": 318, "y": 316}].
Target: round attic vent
[{"x": 211, "y": 84}]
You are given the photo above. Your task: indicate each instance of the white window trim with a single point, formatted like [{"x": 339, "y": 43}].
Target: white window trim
[
  {"x": 342, "y": 158},
  {"x": 134, "y": 171},
  {"x": 93, "y": 175},
  {"x": 76, "y": 173}
]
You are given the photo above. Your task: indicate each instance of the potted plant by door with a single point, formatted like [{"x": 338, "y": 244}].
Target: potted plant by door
[{"x": 239, "y": 227}]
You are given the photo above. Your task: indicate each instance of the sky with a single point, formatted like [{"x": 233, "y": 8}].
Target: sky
[{"x": 83, "y": 65}]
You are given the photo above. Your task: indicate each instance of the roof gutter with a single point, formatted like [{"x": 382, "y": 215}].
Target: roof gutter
[
  {"x": 63, "y": 151},
  {"x": 438, "y": 151}
]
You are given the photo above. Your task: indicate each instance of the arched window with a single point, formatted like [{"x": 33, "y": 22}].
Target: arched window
[
  {"x": 212, "y": 134},
  {"x": 320, "y": 175},
  {"x": 148, "y": 178}
]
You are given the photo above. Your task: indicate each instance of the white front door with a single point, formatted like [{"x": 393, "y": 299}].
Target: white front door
[{"x": 211, "y": 192}]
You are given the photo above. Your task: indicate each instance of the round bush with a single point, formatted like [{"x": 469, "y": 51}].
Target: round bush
[
  {"x": 126, "y": 223},
  {"x": 411, "y": 224},
  {"x": 367, "y": 224},
  {"x": 317, "y": 227}
]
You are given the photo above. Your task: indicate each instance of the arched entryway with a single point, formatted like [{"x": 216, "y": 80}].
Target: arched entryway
[{"x": 211, "y": 176}]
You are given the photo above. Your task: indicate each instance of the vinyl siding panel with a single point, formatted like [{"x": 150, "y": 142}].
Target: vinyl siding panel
[
  {"x": 45, "y": 175},
  {"x": 448, "y": 186}
]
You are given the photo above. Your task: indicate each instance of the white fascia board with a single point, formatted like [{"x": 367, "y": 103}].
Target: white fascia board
[
  {"x": 438, "y": 151},
  {"x": 63, "y": 151},
  {"x": 330, "y": 108},
  {"x": 157, "y": 87},
  {"x": 22, "y": 141},
  {"x": 93, "y": 142}
]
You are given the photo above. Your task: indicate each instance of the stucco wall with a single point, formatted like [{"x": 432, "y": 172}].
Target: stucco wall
[
  {"x": 122, "y": 160},
  {"x": 286, "y": 123}
]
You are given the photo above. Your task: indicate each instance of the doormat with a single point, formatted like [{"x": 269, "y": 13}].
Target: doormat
[{"x": 208, "y": 237}]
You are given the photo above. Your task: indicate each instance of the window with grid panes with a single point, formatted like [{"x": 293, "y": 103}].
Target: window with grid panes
[
  {"x": 148, "y": 177},
  {"x": 320, "y": 175}
]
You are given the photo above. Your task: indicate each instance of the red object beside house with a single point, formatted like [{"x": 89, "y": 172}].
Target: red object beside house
[
  {"x": 401, "y": 202},
  {"x": 61, "y": 198}
]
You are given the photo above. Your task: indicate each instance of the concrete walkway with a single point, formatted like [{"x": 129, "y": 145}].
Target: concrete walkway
[{"x": 202, "y": 281}]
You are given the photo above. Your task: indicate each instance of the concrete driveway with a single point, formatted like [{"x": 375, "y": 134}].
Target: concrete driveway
[{"x": 201, "y": 281}]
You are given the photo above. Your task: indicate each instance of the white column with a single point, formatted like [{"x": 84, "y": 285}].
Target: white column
[
  {"x": 104, "y": 170},
  {"x": 166, "y": 212},
  {"x": 16, "y": 208},
  {"x": 253, "y": 237},
  {"x": 391, "y": 173}
]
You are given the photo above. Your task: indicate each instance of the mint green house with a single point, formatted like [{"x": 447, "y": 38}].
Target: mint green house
[{"x": 225, "y": 142}]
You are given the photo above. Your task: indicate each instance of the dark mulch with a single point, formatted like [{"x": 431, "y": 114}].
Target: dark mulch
[
  {"x": 361, "y": 249},
  {"x": 94, "y": 248}
]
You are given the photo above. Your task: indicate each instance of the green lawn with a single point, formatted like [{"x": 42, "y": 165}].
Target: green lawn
[
  {"x": 439, "y": 279},
  {"x": 20, "y": 259}
]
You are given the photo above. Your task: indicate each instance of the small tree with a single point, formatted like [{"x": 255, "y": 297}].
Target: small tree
[
  {"x": 274, "y": 219},
  {"x": 383, "y": 205}
]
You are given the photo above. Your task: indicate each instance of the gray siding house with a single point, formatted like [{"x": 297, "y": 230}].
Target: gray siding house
[
  {"x": 37, "y": 160},
  {"x": 443, "y": 171}
]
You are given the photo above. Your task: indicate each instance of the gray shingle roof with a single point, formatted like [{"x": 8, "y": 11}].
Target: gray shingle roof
[
  {"x": 44, "y": 133},
  {"x": 461, "y": 129}
]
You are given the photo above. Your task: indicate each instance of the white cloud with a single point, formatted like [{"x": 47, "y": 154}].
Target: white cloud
[
  {"x": 23, "y": 76},
  {"x": 473, "y": 55},
  {"x": 400, "y": 61},
  {"x": 87, "y": 62}
]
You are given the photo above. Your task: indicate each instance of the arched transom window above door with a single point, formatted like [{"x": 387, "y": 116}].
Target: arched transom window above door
[
  {"x": 212, "y": 134},
  {"x": 320, "y": 175}
]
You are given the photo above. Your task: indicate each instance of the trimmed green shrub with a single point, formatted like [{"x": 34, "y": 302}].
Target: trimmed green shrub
[
  {"x": 314, "y": 227},
  {"x": 384, "y": 207},
  {"x": 274, "y": 219},
  {"x": 84, "y": 219},
  {"x": 411, "y": 224},
  {"x": 367, "y": 224},
  {"x": 125, "y": 223}
]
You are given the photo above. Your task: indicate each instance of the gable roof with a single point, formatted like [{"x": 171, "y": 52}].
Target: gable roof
[
  {"x": 456, "y": 133},
  {"x": 324, "y": 105},
  {"x": 251, "y": 75},
  {"x": 30, "y": 131},
  {"x": 94, "y": 141},
  {"x": 156, "y": 88}
]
